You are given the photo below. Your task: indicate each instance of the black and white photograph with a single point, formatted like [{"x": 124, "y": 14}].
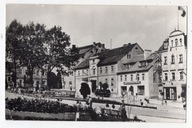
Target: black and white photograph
[{"x": 96, "y": 63}]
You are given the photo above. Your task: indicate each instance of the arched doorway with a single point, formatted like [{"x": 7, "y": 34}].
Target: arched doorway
[{"x": 131, "y": 90}]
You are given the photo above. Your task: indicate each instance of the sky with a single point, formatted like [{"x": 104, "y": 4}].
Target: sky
[{"x": 113, "y": 25}]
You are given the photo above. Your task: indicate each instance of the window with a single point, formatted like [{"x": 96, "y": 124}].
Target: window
[
  {"x": 166, "y": 77},
  {"x": 140, "y": 90},
  {"x": 172, "y": 43},
  {"x": 20, "y": 81},
  {"x": 112, "y": 69},
  {"x": 180, "y": 41},
  {"x": 106, "y": 81},
  {"x": 131, "y": 77},
  {"x": 128, "y": 56},
  {"x": 70, "y": 82},
  {"x": 94, "y": 71},
  {"x": 143, "y": 76},
  {"x": 165, "y": 45},
  {"x": 181, "y": 75},
  {"x": 137, "y": 77},
  {"x": 93, "y": 60},
  {"x": 176, "y": 42},
  {"x": 180, "y": 58},
  {"x": 165, "y": 60},
  {"x": 78, "y": 73},
  {"x": 37, "y": 72},
  {"x": 100, "y": 70},
  {"x": 172, "y": 59},
  {"x": 43, "y": 73},
  {"x": 43, "y": 82},
  {"x": 173, "y": 76},
  {"x": 125, "y": 77},
  {"x": 106, "y": 70},
  {"x": 121, "y": 78},
  {"x": 111, "y": 81}
]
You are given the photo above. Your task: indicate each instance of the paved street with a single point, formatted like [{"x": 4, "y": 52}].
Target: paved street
[{"x": 163, "y": 113}]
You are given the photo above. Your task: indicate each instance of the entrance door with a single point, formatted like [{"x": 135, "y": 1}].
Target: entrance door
[
  {"x": 170, "y": 93},
  {"x": 93, "y": 85},
  {"x": 131, "y": 90}
]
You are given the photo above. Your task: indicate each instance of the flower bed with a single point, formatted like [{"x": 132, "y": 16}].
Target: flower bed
[{"x": 38, "y": 105}]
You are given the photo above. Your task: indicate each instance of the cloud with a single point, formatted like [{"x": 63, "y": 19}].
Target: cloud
[{"x": 86, "y": 24}]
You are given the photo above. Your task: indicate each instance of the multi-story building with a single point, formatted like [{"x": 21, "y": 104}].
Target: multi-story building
[
  {"x": 39, "y": 78},
  {"x": 173, "y": 56},
  {"x": 84, "y": 52},
  {"x": 107, "y": 66},
  {"x": 140, "y": 77}
]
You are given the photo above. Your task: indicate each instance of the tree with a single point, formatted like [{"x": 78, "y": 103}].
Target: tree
[
  {"x": 58, "y": 53},
  {"x": 14, "y": 34},
  {"x": 85, "y": 90},
  {"x": 32, "y": 55}
]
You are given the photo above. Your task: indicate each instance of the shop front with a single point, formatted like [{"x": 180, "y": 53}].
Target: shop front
[{"x": 170, "y": 93}]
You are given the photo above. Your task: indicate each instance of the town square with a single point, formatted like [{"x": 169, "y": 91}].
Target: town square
[{"x": 115, "y": 63}]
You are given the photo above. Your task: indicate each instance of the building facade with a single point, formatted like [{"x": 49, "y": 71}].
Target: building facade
[
  {"x": 173, "y": 56},
  {"x": 84, "y": 53},
  {"x": 140, "y": 78},
  {"x": 107, "y": 67}
]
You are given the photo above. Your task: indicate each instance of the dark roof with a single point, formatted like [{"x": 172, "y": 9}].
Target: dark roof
[
  {"x": 84, "y": 64},
  {"x": 162, "y": 46},
  {"x": 108, "y": 57},
  {"x": 83, "y": 50},
  {"x": 114, "y": 55},
  {"x": 87, "y": 48},
  {"x": 135, "y": 68}
]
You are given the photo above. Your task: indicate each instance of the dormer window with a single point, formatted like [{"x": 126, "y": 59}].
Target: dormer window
[
  {"x": 128, "y": 56},
  {"x": 171, "y": 43},
  {"x": 165, "y": 45},
  {"x": 142, "y": 64},
  {"x": 180, "y": 41}
]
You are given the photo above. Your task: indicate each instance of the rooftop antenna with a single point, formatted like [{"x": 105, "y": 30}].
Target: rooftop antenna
[
  {"x": 178, "y": 19},
  {"x": 111, "y": 44}
]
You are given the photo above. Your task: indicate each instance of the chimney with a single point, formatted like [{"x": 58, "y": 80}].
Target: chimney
[
  {"x": 147, "y": 53},
  {"x": 125, "y": 45},
  {"x": 73, "y": 46}
]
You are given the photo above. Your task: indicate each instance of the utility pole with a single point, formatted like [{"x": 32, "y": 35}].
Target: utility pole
[{"x": 111, "y": 44}]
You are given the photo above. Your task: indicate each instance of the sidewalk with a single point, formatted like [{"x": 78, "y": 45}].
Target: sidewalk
[{"x": 154, "y": 102}]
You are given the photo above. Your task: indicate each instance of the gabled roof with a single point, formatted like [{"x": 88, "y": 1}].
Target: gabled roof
[
  {"x": 114, "y": 55},
  {"x": 162, "y": 48},
  {"x": 136, "y": 68},
  {"x": 151, "y": 59},
  {"x": 109, "y": 56},
  {"x": 135, "y": 59},
  {"x": 84, "y": 64}
]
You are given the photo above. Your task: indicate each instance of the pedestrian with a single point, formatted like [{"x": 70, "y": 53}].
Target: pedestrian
[
  {"x": 141, "y": 102},
  {"x": 165, "y": 102},
  {"x": 113, "y": 106},
  {"x": 90, "y": 102},
  {"x": 123, "y": 112},
  {"x": 77, "y": 110}
]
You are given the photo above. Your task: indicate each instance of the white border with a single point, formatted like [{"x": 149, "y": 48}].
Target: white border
[{"x": 56, "y": 124}]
